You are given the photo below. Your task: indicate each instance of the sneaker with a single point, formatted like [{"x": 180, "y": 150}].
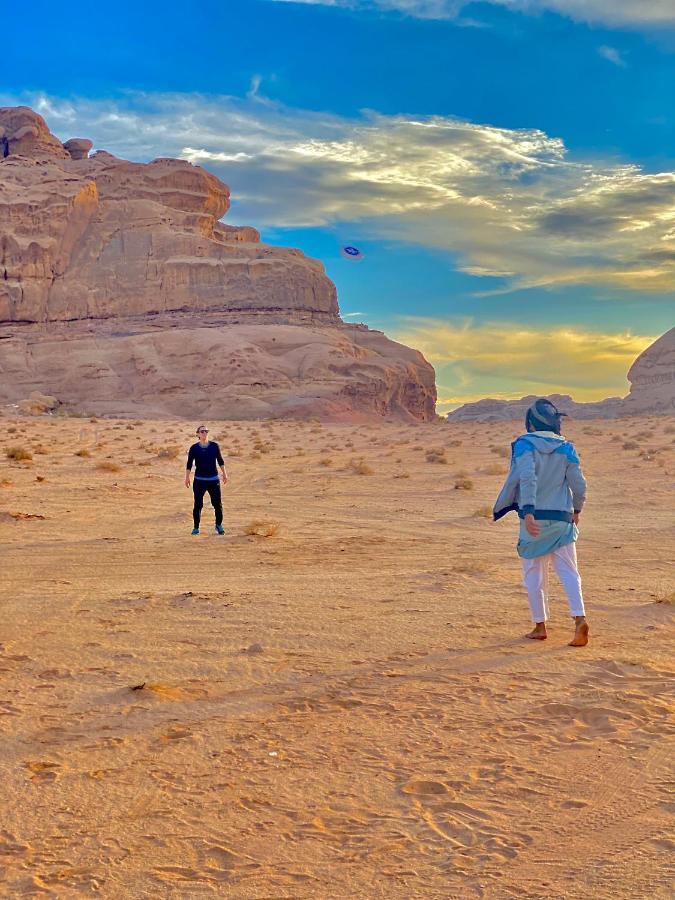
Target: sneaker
[
  {"x": 220, "y": 529},
  {"x": 195, "y": 530}
]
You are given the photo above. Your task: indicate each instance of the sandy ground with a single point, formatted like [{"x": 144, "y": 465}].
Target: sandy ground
[{"x": 347, "y": 709}]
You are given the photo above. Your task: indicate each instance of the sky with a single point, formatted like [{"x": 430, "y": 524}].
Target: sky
[{"x": 507, "y": 168}]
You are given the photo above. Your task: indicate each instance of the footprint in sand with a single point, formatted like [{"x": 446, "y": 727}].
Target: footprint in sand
[
  {"x": 424, "y": 788},
  {"x": 42, "y": 771}
]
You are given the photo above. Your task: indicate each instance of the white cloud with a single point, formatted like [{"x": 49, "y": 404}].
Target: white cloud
[
  {"x": 506, "y": 202},
  {"x": 611, "y": 54},
  {"x": 621, "y": 13}
]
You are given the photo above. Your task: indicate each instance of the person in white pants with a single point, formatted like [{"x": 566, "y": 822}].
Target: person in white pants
[
  {"x": 536, "y": 581},
  {"x": 547, "y": 489}
]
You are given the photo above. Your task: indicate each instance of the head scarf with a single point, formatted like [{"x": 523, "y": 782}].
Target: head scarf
[{"x": 543, "y": 416}]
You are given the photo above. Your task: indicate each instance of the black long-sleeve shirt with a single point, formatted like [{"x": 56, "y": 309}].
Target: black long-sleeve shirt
[{"x": 205, "y": 459}]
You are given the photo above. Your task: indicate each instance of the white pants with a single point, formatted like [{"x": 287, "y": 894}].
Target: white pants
[{"x": 535, "y": 579}]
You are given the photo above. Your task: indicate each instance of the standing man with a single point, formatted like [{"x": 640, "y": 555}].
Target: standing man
[
  {"x": 205, "y": 454},
  {"x": 547, "y": 489}
]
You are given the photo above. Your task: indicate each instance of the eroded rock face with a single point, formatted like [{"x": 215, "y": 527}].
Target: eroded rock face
[
  {"x": 176, "y": 366},
  {"x": 652, "y": 378},
  {"x": 120, "y": 290}
]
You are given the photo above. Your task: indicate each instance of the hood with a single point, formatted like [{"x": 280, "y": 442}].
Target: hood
[{"x": 543, "y": 441}]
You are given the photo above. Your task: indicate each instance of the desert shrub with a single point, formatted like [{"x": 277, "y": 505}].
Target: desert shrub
[
  {"x": 168, "y": 452},
  {"x": 255, "y": 455},
  {"x": 82, "y": 452},
  {"x": 436, "y": 456},
  {"x": 40, "y": 478},
  {"x": 483, "y": 512},
  {"x": 235, "y": 451},
  {"x": 501, "y": 451},
  {"x": 664, "y": 594},
  {"x": 11, "y": 430},
  {"x": 469, "y": 567},
  {"x": 455, "y": 443},
  {"x": 669, "y": 429},
  {"x": 630, "y": 445},
  {"x": 494, "y": 469},
  {"x": 360, "y": 467},
  {"x": 326, "y": 461},
  {"x": 463, "y": 483},
  {"x": 18, "y": 453},
  {"x": 262, "y": 528},
  {"x": 107, "y": 465}
]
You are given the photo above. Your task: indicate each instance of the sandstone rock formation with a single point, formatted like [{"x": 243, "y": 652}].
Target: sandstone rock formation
[
  {"x": 652, "y": 378},
  {"x": 121, "y": 290}
]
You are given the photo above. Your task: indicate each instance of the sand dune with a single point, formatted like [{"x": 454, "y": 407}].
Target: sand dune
[{"x": 345, "y": 709}]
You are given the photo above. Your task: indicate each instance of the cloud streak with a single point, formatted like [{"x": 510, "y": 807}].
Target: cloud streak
[
  {"x": 504, "y": 202},
  {"x": 620, "y": 13}
]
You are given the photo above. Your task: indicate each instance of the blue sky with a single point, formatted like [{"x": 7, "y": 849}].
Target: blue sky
[{"x": 507, "y": 167}]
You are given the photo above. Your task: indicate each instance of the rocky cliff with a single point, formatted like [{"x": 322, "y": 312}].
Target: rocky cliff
[
  {"x": 121, "y": 290},
  {"x": 652, "y": 378}
]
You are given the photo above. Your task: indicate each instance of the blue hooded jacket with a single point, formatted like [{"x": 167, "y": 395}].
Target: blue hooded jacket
[{"x": 545, "y": 479}]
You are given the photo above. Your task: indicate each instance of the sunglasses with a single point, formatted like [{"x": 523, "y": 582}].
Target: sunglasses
[{"x": 203, "y": 431}]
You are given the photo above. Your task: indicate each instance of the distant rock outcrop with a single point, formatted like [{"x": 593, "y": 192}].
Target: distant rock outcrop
[
  {"x": 506, "y": 410},
  {"x": 652, "y": 378},
  {"x": 121, "y": 290}
]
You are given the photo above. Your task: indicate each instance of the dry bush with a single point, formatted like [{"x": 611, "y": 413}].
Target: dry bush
[
  {"x": 107, "y": 465},
  {"x": 669, "y": 429},
  {"x": 255, "y": 455},
  {"x": 463, "y": 483},
  {"x": 494, "y": 469},
  {"x": 39, "y": 448},
  {"x": 262, "y": 528},
  {"x": 40, "y": 478},
  {"x": 326, "y": 461},
  {"x": 18, "y": 453},
  {"x": 630, "y": 445},
  {"x": 664, "y": 594},
  {"x": 82, "y": 452},
  {"x": 360, "y": 467},
  {"x": 11, "y": 430},
  {"x": 484, "y": 512},
  {"x": 402, "y": 475},
  {"x": 455, "y": 443},
  {"x": 436, "y": 456},
  {"x": 6, "y": 482},
  {"x": 168, "y": 452},
  {"x": 469, "y": 567},
  {"x": 235, "y": 451},
  {"x": 501, "y": 451}
]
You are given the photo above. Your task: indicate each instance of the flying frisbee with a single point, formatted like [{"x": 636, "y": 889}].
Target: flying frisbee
[{"x": 349, "y": 251}]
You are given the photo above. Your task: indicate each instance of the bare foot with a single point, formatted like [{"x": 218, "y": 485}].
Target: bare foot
[
  {"x": 538, "y": 633},
  {"x": 580, "y": 638}
]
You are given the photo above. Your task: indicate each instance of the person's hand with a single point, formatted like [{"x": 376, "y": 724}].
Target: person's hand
[
  {"x": 532, "y": 526},
  {"x": 575, "y": 517},
  {"x": 225, "y": 478},
  {"x": 187, "y": 481}
]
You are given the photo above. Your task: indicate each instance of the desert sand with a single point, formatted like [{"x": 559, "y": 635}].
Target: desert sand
[{"x": 347, "y": 708}]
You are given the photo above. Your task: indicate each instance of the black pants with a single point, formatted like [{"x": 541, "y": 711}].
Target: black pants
[{"x": 200, "y": 488}]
